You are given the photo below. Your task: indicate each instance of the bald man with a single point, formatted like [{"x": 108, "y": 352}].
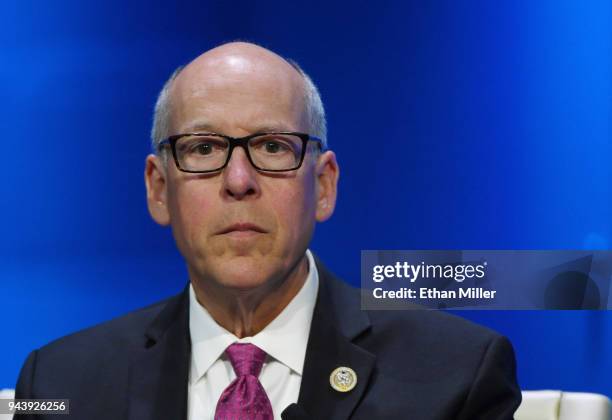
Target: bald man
[{"x": 241, "y": 172}]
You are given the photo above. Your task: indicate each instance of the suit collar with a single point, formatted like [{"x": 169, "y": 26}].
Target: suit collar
[
  {"x": 172, "y": 314},
  {"x": 343, "y": 303},
  {"x": 159, "y": 366},
  {"x": 337, "y": 322}
]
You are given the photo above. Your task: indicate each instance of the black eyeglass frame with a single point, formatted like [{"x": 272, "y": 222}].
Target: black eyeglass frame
[{"x": 239, "y": 142}]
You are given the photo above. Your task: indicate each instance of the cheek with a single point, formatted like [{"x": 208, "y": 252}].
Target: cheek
[
  {"x": 190, "y": 207},
  {"x": 295, "y": 209}
]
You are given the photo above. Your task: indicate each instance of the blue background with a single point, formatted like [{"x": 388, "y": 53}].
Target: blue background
[{"x": 458, "y": 125}]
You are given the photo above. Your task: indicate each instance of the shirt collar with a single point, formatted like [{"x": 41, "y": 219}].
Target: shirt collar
[{"x": 284, "y": 339}]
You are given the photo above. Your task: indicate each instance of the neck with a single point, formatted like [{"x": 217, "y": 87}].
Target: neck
[{"x": 245, "y": 313}]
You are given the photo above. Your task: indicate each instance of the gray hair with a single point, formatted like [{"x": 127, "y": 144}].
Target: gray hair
[
  {"x": 314, "y": 106},
  {"x": 161, "y": 115},
  {"x": 314, "y": 109}
]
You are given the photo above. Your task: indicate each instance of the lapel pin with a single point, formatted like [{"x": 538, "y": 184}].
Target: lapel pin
[{"x": 343, "y": 379}]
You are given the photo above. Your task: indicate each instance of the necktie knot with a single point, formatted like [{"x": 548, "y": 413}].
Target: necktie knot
[
  {"x": 246, "y": 358},
  {"x": 245, "y": 397}
]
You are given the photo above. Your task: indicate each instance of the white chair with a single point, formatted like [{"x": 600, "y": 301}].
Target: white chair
[
  {"x": 559, "y": 405},
  {"x": 8, "y": 394}
]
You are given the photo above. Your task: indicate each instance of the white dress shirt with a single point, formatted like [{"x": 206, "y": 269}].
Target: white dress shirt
[{"x": 284, "y": 340}]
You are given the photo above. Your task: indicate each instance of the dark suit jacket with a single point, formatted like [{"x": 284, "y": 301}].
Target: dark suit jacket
[{"x": 410, "y": 365}]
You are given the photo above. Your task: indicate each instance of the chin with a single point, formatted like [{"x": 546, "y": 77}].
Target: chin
[{"x": 242, "y": 273}]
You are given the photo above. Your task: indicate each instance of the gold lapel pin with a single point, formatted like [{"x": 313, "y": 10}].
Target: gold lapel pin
[{"x": 343, "y": 379}]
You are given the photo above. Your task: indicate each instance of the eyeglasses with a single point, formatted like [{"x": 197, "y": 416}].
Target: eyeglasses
[{"x": 211, "y": 152}]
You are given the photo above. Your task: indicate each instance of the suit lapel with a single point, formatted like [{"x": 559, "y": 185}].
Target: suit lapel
[
  {"x": 337, "y": 320},
  {"x": 159, "y": 368}
]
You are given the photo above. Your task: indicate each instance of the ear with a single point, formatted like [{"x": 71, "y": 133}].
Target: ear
[
  {"x": 157, "y": 189},
  {"x": 327, "y": 173}
]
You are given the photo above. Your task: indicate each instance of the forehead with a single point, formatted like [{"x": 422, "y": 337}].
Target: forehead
[{"x": 238, "y": 91}]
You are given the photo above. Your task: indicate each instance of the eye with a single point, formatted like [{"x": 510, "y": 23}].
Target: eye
[
  {"x": 203, "y": 148},
  {"x": 272, "y": 146}
]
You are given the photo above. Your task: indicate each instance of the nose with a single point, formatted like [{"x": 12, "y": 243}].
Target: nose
[{"x": 240, "y": 177}]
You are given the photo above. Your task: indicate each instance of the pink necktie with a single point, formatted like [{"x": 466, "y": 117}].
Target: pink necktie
[{"x": 245, "y": 398}]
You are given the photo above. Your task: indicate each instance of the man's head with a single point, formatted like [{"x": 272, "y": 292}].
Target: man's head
[{"x": 240, "y": 227}]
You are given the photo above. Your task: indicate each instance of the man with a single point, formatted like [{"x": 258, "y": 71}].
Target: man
[{"x": 263, "y": 330}]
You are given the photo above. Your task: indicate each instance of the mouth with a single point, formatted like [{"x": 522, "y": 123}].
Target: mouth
[{"x": 241, "y": 229}]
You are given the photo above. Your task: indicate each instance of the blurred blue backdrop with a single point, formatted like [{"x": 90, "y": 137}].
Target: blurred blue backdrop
[{"x": 458, "y": 125}]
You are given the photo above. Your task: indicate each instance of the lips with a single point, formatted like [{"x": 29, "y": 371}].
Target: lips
[{"x": 241, "y": 227}]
